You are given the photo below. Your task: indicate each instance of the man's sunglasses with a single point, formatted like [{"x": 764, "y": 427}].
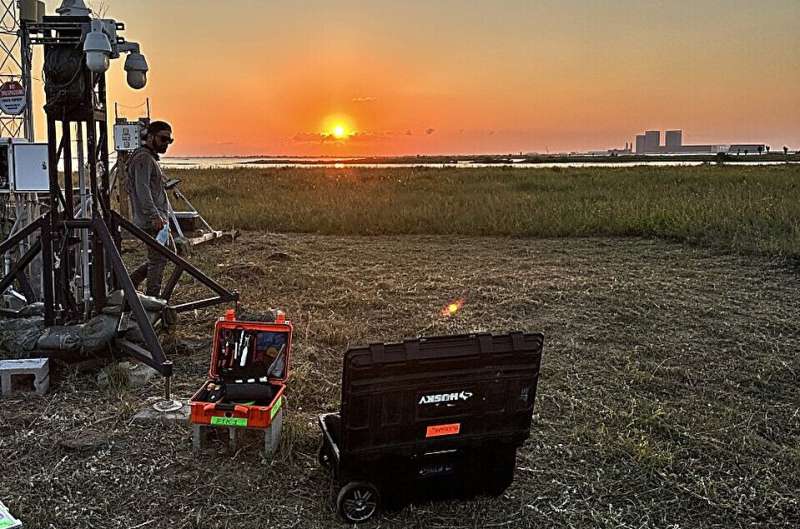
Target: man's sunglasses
[{"x": 166, "y": 139}]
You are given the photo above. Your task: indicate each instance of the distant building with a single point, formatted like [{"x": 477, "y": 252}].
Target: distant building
[
  {"x": 674, "y": 140},
  {"x": 640, "y": 144},
  {"x": 749, "y": 148},
  {"x": 652, "y": 141},
  {"x": 695, "y": 149}
]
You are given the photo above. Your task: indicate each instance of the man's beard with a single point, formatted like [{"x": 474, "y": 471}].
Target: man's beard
[{"x": 162, "y": 149}]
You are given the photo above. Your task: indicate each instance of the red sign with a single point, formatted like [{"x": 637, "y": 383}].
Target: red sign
[
  {"x": 443, "y": 429},
  {"x": 12, "y": 98}
]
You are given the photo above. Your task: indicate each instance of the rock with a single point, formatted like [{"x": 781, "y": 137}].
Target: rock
[
  {"x": 85, "y": 441},
  {"x": 140, "y": 374},
  {"x": 128, "y": 374}
]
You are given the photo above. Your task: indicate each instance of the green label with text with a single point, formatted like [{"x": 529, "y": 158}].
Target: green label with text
[
  {"x": 228, "y": 421},
  {"x": 276, "y": 408}
]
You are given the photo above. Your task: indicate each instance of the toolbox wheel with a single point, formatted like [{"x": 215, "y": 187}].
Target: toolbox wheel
[{"x": 358, "y": 501}]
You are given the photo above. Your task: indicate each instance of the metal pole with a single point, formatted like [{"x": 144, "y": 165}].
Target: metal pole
[
  {"x": 86, "y": 213},
  {"x": 27, "y": 61},
  {"x": 168, "y": 388},
  {"x": 48, "y": 277}
]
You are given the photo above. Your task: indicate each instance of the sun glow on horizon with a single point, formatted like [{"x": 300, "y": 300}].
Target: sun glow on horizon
[
  {"x": 352, "y": 79},
  {"x": 338, "y": 127}
]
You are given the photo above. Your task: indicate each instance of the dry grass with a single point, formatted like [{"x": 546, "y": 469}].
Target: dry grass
[
  {"x": 668, "y": 395},
  {"x": 742, "y": 209}
]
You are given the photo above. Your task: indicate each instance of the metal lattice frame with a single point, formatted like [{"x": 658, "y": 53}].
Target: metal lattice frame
[
  {"x": 12, "y": 56},
  {"x": 15, "y": 65}
]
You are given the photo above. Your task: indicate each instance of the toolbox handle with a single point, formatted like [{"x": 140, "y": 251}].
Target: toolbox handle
[{"x": 226, "y": 407}]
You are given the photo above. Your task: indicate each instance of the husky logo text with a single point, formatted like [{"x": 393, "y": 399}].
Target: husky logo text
[{"x": 445, "y": 397}]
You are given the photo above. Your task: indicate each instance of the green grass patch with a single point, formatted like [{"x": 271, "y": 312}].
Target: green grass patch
[{"x": 743, "y": 209}]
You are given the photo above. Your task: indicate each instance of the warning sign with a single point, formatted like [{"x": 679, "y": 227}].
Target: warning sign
[{"x": 12, "y": 98}]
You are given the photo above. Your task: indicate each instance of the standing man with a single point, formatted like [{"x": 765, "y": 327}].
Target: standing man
[{"x": 149, "y": 200}]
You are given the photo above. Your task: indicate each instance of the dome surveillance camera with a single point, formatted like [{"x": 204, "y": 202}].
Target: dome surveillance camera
[
  {"x": 137, "y": 80},
  {"x": 97, "y": 61},
  {"x": 136, "y": 66},
  {"x": 98, "y": 50}
]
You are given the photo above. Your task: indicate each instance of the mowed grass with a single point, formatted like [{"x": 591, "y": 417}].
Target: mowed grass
[
  {"x": 743, "y": 209},
  {"x": 668, "y": 396}
]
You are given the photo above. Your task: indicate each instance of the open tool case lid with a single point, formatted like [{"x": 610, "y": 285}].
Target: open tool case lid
[{"x": 265, "y": 347}]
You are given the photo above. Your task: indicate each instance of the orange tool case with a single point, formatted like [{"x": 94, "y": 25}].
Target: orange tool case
[{"x": 250, "y": 363}]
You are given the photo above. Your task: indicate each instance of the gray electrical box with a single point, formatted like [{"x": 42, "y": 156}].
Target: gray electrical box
[
  {"x": 127, "y": 136},
  {"x": 24, "y": 167}
]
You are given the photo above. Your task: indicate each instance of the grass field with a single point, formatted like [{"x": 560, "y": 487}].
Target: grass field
[
  {"x": 668, "y": 395},
  {"x": 743, "y": 209}
]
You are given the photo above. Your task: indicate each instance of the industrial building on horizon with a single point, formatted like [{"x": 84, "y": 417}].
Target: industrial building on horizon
[{"x": 650, "y": 143}]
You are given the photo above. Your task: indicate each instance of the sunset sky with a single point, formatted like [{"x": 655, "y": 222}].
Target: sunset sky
[{"x": 243, "y": 77}]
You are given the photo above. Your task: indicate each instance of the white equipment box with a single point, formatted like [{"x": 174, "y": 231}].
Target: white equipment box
[
  {"x": 23, "y": 166},
  {"x": 127, "y": 136}
]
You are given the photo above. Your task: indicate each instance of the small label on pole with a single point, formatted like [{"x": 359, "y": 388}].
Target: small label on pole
[{"x": 12, "y": 98}]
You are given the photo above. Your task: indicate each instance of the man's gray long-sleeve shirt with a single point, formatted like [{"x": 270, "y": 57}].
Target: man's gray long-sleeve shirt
[{"x": 146, "y": 189}]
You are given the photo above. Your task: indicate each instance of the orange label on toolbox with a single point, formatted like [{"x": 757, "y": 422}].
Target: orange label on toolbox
[{"x": 443, "y": 429}]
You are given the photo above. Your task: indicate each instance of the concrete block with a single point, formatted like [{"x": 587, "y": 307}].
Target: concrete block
[
  {"x": 150, "y": 414},
  {"x": 272, "y": 436},
  {"x": 39, "y": 368}
]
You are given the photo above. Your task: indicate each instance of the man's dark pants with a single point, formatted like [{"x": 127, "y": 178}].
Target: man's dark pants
[{"x": 153, "y": 269}]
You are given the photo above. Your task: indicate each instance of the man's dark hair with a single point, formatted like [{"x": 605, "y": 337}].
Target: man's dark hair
[{"x": 158, "y": 126}]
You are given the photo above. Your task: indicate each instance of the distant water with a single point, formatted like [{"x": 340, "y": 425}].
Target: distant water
[
  {"x": 343, "y": 163},
  {"x": 300, "y": 163}
]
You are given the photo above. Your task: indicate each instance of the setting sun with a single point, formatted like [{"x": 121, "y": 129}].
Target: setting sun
[{"x": 338, "y": 127}]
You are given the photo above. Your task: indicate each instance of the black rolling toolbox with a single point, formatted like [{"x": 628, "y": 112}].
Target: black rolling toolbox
[{"x": 431, "y": 417}]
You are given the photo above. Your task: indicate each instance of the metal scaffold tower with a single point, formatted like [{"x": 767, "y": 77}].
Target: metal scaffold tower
[
  {"x": 77, "y": 236},
  {"x": 15, "y": 65},
  {"x": 18, "y": 209}
]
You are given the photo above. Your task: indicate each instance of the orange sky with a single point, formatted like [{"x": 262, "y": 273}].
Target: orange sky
[{"x": 418, "y": 77}]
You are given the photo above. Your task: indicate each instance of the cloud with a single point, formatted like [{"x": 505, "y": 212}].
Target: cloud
[
  {"x": 369, "y": 137},
  {"x": 363, "y": 136},
  {"x": 356, "y": 137},
  {"x": 365, "y": 99},
  {"x": 309, "y": 137}
]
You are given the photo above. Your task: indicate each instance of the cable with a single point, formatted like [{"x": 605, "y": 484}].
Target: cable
[{"x": 134, "y": 106}]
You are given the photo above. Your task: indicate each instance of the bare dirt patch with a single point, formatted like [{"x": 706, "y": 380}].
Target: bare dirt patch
[{"x": 668, "y": 395}]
